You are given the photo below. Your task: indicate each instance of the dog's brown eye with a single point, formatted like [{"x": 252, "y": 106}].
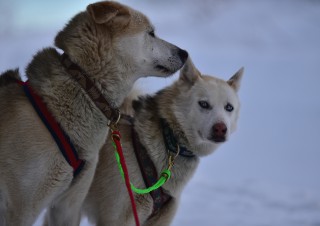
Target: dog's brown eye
[
  {"x": 228, "y": 107},
  {"x": 204, "y": 104},
  {"x": 151, "y": 33}
]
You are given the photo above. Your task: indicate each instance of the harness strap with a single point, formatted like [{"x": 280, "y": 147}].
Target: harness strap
[
  {"x": 149, "y": 174},
  {"x": 61, "y": 138}
]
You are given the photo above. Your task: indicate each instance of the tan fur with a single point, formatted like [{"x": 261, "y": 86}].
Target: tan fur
[
  {"x": 107, "y": 202},
  {"x": 112, "y": 44}
]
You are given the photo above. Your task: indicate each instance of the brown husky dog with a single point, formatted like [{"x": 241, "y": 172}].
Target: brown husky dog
[
  {"x": 113, "y": 45},
  {"x": 194, "y": 115}
]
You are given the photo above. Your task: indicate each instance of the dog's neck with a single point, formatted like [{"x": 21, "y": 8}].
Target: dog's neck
[
  {"x": 91, "y": 89},
  {"x": 113, "y": 82},
  {"x": 148, "y": 126},
  {"x": 171, "y": 142}
]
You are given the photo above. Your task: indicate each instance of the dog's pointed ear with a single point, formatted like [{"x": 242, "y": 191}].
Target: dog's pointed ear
[
  {"x": 189, "y": 73},
  {"x": 104, "y": 12},
  {"x": 235, "y": 80}
]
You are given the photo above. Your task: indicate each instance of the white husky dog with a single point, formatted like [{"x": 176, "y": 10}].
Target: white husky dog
[
  {"x": 184, "y": 121},
  {"x": 109, "y": 44}
]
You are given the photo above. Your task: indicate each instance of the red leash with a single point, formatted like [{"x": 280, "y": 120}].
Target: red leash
[{"x": 116, "y": 139}]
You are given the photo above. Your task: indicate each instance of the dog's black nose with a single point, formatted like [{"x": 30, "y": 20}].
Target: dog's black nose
[{"x": 183, "y": 55}]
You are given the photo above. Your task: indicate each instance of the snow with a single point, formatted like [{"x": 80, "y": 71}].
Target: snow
[{"x": 268, "y": 173}]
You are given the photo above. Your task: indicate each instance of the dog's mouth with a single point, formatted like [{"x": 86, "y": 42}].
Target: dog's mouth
[
  {"x": 218, "y": 139},
  {"x": 163, "y": 69},
  {"x": 215, "y": 139}
]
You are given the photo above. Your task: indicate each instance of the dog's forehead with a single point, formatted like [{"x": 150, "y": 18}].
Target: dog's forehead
[
  {"x": 212, "y": 83},
  {"x": 213, "y": 87},
  {"x": 139, "y": 22}
]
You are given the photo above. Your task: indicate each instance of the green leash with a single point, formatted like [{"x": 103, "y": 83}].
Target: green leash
[{"x": 165, "y": 176}]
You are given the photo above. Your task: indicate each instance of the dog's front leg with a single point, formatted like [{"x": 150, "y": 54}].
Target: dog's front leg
[
  {"x": 58, "y": 216},
  {"x": 66, "y": 209},
  {"x": 165, "y": 215}
]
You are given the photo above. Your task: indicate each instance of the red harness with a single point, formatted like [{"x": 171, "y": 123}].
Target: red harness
[{"x": 63, "y": 141}]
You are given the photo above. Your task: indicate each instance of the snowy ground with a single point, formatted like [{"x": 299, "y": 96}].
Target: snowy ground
[{"x": 268, "y": 173}]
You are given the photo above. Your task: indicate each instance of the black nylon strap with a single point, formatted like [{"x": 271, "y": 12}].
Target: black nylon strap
[{"x": 149, "y": 174}]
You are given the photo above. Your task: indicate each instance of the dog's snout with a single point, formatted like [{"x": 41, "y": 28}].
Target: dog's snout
[
  {"x": 219, "y": 132},
  {"x": 183, "y": 55}
]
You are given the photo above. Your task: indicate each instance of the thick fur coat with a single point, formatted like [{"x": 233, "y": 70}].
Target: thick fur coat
[{"x": 114, "y": 45}]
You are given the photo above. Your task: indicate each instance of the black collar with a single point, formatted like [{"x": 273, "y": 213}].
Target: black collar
[{"x": 171, "y": 142}]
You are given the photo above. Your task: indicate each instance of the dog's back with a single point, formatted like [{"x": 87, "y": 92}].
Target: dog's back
[
  {"x": 9, "y": 91},
  {"x": 9, "y": 77}
]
